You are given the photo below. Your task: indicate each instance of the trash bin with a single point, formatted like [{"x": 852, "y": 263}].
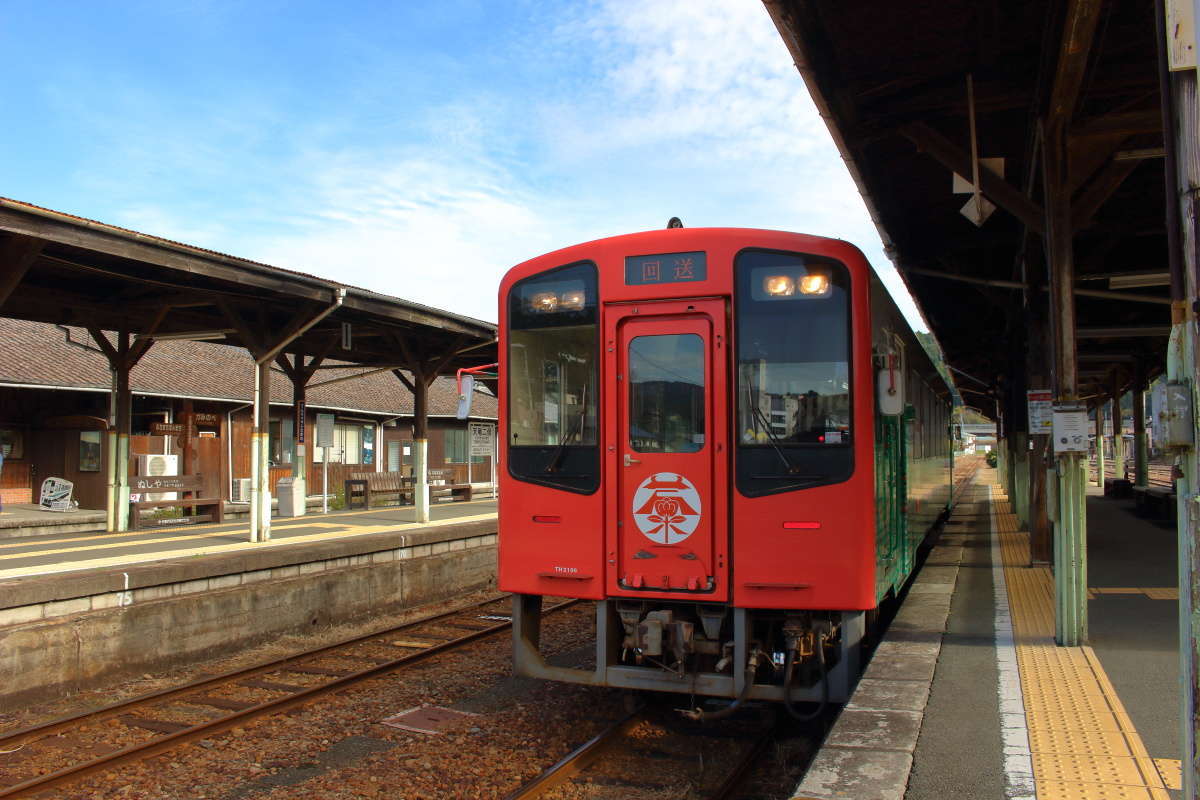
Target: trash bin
[{"x": 291, "y": 497}]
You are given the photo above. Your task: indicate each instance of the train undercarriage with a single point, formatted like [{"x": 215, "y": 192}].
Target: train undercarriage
[{"x": 706, "y": 649}]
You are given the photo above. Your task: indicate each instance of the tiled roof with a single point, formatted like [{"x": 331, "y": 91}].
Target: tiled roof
[{"x": 44, "y": 355}]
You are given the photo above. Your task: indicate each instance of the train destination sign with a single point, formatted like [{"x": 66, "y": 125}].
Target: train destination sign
[{"x": 665, "y": 268}]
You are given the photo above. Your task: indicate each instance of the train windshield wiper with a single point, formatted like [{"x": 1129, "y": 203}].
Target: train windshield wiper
[
  {"x": 556, "y": 459},
  {"x": 775, "y": 443}
]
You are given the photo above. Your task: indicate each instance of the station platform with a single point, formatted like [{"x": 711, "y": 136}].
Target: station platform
[
  {"x": 969, "y": 697},
  {"x": 44, "y": 555},
  {"x": 79, "y": 610}
]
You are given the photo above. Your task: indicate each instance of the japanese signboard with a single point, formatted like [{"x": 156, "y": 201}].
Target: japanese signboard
[
  {"x": 1070, "y": 429},
  {"x": 168, "y": 429},
  {"x": 665, "y": 268},
  {"x": 201, "y": 419},
  {"x": 324, "y": 430},
  {"x": 483, "y": 438},
  {"x": 1041, "y": 411}
]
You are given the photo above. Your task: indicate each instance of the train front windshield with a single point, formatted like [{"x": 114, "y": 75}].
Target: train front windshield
[
  {"x": 793, "y": 343},
  {"x": 553, "y": 353}
]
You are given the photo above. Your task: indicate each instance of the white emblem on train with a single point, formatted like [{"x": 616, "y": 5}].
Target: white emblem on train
[{"x": 666, "y": 508}]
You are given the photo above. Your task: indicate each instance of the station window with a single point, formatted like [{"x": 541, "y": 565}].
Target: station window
[
  {"x": 348, "y": 438},
  {"x": 458, "y": 445},
  {"x": 12, "y": 440}
]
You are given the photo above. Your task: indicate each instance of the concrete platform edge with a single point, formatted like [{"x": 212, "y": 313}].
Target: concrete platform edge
[
  {"x": 868, "y": 753},
  {"x": 22, "y": 592}
]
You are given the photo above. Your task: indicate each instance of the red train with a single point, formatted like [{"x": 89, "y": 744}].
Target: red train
[{"x": 728, "y": 438}]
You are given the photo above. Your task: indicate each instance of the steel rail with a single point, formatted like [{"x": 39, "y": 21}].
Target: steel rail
[
  {"x": 577, "y": 760},
  {"x": 41, "y": 730},
  {"x": 748, "y": 760},
  {"x": 169, "y": 741}
]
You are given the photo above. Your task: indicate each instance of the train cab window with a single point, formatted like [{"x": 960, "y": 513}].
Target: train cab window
[
  {"x": 553, "y": 352},
  {"x": 666, "y": 393},
  {"x": 794, "y": 423}
]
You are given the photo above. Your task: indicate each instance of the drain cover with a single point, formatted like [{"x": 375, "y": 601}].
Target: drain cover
[{"x": 427, "y": 719}]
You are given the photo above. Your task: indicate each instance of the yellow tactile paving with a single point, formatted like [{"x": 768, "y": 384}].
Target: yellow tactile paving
[
  {"x": 1084, "y": 744},
  {"x": 1162, "y": 593},
  {"x": 1171, "y": 770}
]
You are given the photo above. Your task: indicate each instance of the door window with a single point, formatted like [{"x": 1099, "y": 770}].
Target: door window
[{"x": 666, "y": 393}]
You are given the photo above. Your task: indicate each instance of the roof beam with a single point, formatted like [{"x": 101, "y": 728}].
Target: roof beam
[
  {"x": 1079, "y": 31},
  {"x": 1125, "y": 123},
  {"x": 17, "y": 254},
  {"x": 1090, "y": 198},
  {"x": 954, "y": 158}
]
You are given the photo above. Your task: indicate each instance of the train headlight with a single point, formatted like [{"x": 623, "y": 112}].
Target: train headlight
[
  {"x": 544, "y": 302},
  {"x": 814, "y": 283},
  {"x": 779, "y": 285}
]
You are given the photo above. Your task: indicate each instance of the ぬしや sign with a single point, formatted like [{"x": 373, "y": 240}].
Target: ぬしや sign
[{"x": 666, "y": 508}]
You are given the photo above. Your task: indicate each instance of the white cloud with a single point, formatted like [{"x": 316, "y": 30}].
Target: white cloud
[{"x": 649, "y": 110}]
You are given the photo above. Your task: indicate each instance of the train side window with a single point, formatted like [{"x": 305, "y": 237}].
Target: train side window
[
  {"x": 794, "y": 410},
  {"x": 552, "y": 360}
]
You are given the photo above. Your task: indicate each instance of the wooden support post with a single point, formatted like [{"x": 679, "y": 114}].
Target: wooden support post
[
  {"x": 122, "y": 358},
  {"x": 1101, "y": 458},
  {"x": 260, "y": 471},
  {"x": 1118, "y": 432},
  {"x": 1141, "y": 458},
  {"x": 1070, "y": 555}
]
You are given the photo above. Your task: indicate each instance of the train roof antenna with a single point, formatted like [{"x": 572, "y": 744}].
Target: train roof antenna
[{"x": 674, "y": 222}]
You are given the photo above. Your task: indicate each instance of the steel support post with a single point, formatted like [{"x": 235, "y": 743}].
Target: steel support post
[
  {"x": 1070, "y": 552},
  {"x": 1070, "y": 561},
  {"x": 1101, "y": 414}
]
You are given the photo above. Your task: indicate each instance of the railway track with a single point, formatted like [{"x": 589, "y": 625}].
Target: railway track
[
  {"x": 148, "y": 725},
  {"x": 656, "y": 753}
]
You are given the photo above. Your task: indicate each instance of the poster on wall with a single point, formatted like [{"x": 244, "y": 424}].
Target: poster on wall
[
  {"x": 1070, "y": 429},
  {"x": 1041, "y": 411},
  {"x": 368, "y": 445}
]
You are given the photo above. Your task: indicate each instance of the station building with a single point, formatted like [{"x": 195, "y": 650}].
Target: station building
[{"x": 54, "y": 409}]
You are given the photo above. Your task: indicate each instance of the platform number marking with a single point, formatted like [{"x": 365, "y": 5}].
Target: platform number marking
[{"x": 666, "y": 508}]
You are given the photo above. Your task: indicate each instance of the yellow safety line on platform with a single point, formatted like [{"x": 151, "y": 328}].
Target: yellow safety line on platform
[
  {"x": 140, "y": 558},
  {"x": 278, "y": 523},
  {"x": 1083, "y": 742}
]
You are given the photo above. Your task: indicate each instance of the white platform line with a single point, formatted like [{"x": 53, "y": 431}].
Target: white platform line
[{"x": 1018, "y": 761}]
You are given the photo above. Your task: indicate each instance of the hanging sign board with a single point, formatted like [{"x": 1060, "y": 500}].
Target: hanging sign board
[
  {"x": 1041, "y": 411},
  {"x": 201, "y": 419},
  {"x": 324, "y": 430},
  {"x": 168, "y": 429},
  {"x": 1070, "y": 429},
  {"x": 483, "y": 438}
]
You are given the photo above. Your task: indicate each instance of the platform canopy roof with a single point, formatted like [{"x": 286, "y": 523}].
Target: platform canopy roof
[
  {"x": 63, "y": 269},
  {"x": 891, "y": 80}
]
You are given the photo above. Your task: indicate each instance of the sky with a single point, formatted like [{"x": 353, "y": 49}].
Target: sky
[{"x": 417, "y": 148}]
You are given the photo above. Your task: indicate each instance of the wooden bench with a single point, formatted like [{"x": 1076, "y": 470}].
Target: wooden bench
[
  {"x": 204, "y": 509},
  {"x": 1118, "y": 487},
  {"x": 366, "y": 485},
  {"x": 456, "y": 490},
  {"x": 1154, "y": 501}
]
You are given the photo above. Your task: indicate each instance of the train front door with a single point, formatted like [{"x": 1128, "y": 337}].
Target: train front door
[{"x": 667, "y": 450}]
